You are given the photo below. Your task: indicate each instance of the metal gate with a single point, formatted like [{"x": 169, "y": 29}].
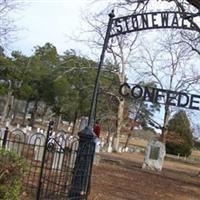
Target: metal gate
[{"x": 59, "y": 165}]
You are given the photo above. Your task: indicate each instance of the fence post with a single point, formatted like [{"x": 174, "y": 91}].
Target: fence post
[
  {"x": 83, "y": 166},
  {"x": 49, "y": 131},
  {"x": 5, "y": 138}
]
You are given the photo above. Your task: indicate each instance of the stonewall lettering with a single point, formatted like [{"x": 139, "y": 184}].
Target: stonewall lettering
[
  {"x": 161, "y": 96},
  {"x": 153, "y": 20}
]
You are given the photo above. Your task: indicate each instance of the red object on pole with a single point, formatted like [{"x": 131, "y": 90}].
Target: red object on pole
[{"x": 97, "y": 129}]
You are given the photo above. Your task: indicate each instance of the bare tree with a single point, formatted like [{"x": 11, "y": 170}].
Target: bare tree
[
  {"x": 7, "y": 23},
  {"x": 171, "y": 66},
  {"x": 118, "y": 53},
  {"x": 179, "y": 3},
  {"x": 121, "y": 50}
]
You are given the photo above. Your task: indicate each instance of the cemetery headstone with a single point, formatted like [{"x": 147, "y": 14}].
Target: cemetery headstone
[
  {"x": 38, "y": 141},
  {"x": 110, "y": 145},
  {"x": 83, "y": 123},
  {"x": 154, "y": 156}
]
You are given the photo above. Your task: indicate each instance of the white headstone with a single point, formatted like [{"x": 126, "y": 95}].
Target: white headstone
[
  {"x": 98, "y": 143},
  {"x": 109, "y": 147},
  {"x": 102, "y": 143},
  {"x": 83, "y": 123},
  {"x": 24, "y": 130},
  {"x": 38, "y": 140},
  {"x": 7, "y": 124},
  {"x": 120, "y": 149},
  {"x": 58, "y": 160}
]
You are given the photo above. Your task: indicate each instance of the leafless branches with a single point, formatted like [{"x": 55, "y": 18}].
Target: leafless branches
[{"x": 7, "y": 23}]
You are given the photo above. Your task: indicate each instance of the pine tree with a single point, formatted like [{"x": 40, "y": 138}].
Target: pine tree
[{"x": 179, "y": 138}]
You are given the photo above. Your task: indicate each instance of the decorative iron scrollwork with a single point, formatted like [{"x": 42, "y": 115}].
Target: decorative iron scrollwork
[{"x": 51, "y": 146}]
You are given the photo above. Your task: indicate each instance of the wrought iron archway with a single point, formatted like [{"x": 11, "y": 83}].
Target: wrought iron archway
[{"x": 139, "y": 22}]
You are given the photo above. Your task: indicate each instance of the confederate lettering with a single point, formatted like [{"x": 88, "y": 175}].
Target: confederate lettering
[
  {"x": 118, "y": 25},
  {"x": 149, "y": 95},
  {"x": 134, "y": 22},
  {"x": 164, "y": 19},
  {"x": 144, "y": 21},
  {"x": 161, "y": 96},
  {"x": 175, "y": 21},
  {"x": 154, "y": 23},
  {"x": 171, "y": 97},
  {"x": 137, "y": 92},
  {"x": 183, "y": 100},
  {"x": 195, "y": 100}
]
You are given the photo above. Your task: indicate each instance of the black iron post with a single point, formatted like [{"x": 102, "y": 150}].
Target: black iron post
[
  {"x": 83, "y": 166},
  {"x": 85, "y": 155},
  {"x": 5, "y": 137},
  {"x": 95, "y": 91},
  {"x": 49, "y": 132}
]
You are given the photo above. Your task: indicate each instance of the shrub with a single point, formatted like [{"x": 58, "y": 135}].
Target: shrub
[{"x": 12, "y": 168}]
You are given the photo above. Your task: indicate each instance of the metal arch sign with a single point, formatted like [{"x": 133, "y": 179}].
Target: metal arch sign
[
  {"x": 161, "y": 96},
  {"x": 152, "y": 20},
  {"x": 138, "y": 22}
]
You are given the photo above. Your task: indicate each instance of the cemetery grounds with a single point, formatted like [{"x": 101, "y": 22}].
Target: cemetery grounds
[{"x": 119, "y": 176}]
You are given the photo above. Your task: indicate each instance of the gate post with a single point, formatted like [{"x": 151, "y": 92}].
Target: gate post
[
  {"x": 49, "y": 131},
  {"x": 80, "y": 183},
  {"x": 96, "y": 86}
]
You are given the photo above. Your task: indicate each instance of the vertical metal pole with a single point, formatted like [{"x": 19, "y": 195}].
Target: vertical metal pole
[
  {"x": 50, "y": 127},
  {"x": 95, "y": 91},
  {"x": 95, "y": 110},
  {"x": 5, "y": 138},
  {"x": 83, "y": 166}
]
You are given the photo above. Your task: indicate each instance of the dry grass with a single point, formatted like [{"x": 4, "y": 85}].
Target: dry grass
[
  {"x": 120, "y": 177},
  {"x": 195, "y": 153}
]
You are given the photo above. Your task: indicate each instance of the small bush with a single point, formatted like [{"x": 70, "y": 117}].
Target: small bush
[{"x": 12, "y": 168}]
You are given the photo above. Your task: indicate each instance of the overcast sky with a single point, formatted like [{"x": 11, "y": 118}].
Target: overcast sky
[{"x": 51, "y": 21}]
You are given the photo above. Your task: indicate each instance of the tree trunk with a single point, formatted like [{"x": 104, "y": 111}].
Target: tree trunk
[
  {"x": 15, "y": 110},
  {"x": 128, "y": 139},
  {"x": 116, "y": 137},
  {"x": 109, "y": 133},
  {"x": 57, "y": 123},
  {"x": 74, "y": 122},
  {"x": 165, "y": 125},
  {"x": 44, "y": 113},
  {"x": 7, "y": 107},
  {"x": 33, "y": 114},
  {"x": 10, "y": 108},
  {"x": 25, "y": 112}
]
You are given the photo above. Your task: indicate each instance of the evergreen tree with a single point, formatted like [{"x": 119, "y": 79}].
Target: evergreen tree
[{"x": 179, "y": 138}]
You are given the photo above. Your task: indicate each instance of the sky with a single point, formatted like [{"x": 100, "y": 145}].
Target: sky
[{"x": 53, "y": 21}]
